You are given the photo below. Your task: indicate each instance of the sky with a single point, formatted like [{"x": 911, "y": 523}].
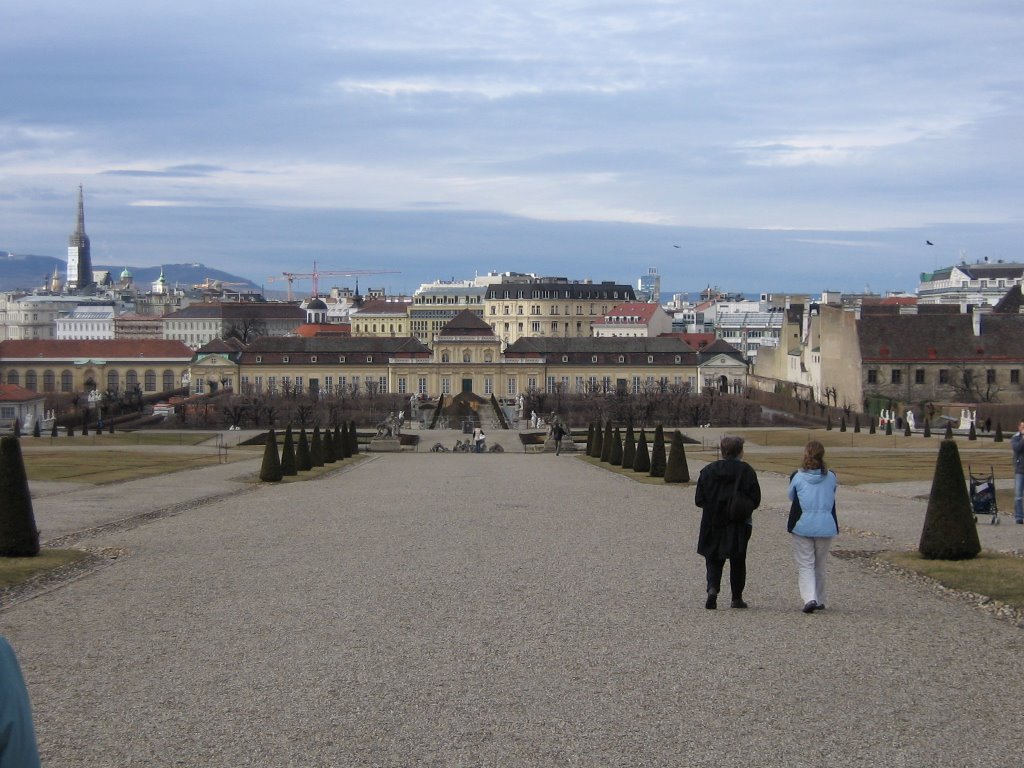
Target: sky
[{"x": 755, "y": 146}]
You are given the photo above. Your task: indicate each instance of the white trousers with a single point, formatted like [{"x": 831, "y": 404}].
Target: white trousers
[{"x": 811, "y": 555}]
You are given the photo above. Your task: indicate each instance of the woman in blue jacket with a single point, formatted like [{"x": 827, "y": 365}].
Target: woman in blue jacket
[{"x": 813, "y": 523}]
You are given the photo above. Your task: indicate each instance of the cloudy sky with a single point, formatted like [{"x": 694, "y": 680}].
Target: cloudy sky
[{"x": 784, "y": 145}]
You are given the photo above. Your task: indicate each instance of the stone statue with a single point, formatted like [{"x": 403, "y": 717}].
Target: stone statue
[
  {"x": 390, "y": 427},
  {"x": 910, "y": 420}
]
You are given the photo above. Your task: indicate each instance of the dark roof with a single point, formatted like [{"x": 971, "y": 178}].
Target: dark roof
[
  {"x": 560, "y": 289},
  {"x": 467, "y": 323},
  {"x": 229, "y": 345},
  {"x": 940, "y": 337},
  {"x": 1010, "y": 303},
  {"x": 721, "y": 347},
  {"x": 607, "y": 350},
  {"x": 336, "y": 345}
]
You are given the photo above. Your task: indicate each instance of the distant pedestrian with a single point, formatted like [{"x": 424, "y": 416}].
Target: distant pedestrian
[
  {"x": 727, "y": 492},
  {"x": 479, "y": 440},
  {"x": 557, "y": 433},
  {"x": 813, "y": 523},
  {"x": 1017, "y": 443},
  {"x": 17, "y": 734}
]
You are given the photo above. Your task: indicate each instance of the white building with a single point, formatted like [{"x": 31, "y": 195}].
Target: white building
[
  {"x": 633, "y": 320},
  {"x": 85, "y": 322},
  {"x": 983, "y": 283}
]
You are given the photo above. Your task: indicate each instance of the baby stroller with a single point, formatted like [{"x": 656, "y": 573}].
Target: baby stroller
[{"x": 983, "y": 495}]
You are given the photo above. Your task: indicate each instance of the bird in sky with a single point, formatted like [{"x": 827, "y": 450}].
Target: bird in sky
[
  {"x": 675, "y": 246},
  {"x": 928, "y": 242}
]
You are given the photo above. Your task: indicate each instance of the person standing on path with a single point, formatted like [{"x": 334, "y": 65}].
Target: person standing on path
[
  {"x": 1017, "y": 443},
  {"x": 722, "y": 536},
  {"x": 557, "y": 433},
  {"x": 17, "y": 734},
  {"x": 813, "y": 523}
]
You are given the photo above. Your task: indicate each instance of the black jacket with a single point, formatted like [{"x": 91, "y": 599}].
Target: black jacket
[{"x": 718, "y": 538}]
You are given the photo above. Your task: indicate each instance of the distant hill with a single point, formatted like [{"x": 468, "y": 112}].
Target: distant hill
[{"x": 27, "y": 272}]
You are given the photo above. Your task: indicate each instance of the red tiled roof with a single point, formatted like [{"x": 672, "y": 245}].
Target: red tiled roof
[
  {"x": 309, "y": 330},
  {"x": 644, "y": 311},
  {"x": 65, "y": 349},
  {"x": 12, "y": 393}
]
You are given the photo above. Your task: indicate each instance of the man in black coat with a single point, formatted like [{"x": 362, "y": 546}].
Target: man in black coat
[{"x": 727, "y": 492}]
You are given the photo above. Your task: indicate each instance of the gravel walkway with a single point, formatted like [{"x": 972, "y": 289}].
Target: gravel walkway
[{"x": 510, "y": 609}]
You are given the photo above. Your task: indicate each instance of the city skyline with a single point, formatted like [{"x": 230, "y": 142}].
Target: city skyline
[{"x": 792, "y": 147}]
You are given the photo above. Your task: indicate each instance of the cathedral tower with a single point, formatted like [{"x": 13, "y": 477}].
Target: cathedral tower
[{"x": 79, "y": 252}]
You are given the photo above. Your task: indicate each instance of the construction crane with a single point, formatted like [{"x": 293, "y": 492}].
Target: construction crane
[{"x": 316, "y": 274}]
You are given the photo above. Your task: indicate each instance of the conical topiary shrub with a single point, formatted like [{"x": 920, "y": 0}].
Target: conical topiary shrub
[
  {"x": 677, "y": 470},
  {"x": 353, "y": 437},
  {"x": 341, "y": 450},
  {"x": 658, "y": 460},
  {"x": 606, "y": 442},
  {"x": 642, "y": 459},
  {"x": 53, "y": 429},
  {"x": 288, "y": 466},
  {"x": 842, "y": 423},
  {"x": 949, "y": 532},
  {"x": 316, "y": 448},
  {"x": 888, "y": 428},
  {"x": 949, "y": 430},
  {"x": 628, "y": 448},
  {"x": 110, "y": 429},
  {"x": 270, "y": 470},
  {"x": 19, "y": 536},
  {"x": 856, "y": 425},
  {"x": 71, "y": 430},
  {"x": 927, "y": 428},
  {"x": 828, "y": 423},
  {"x": 37, "y": 429},
  {"x": 972, "y": 433},
  {"x": 615, "y": 457},
  {"x": 303, "y": 461},
  {"x": 871, "y": 427},
  {"x": 17, "y": 428},
  {"x": 85, "y": 425},
  {"x": 999, "y": 433},
  {"x": 329, "y": 457},
  {"x": 906, "y": 429},
  {"x": 590, "y": 439},
  {"x": 598, "y": 444}
]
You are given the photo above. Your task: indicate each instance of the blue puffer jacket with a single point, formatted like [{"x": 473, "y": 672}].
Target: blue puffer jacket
[{"x": 816, "y": 497}]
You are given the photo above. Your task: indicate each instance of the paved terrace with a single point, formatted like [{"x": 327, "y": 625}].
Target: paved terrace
[{"x": 511, "y": 609}]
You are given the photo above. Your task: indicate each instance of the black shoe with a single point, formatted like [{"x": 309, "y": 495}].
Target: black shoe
[
  {"x": 810, "y": 607},
  {"x": 737, "y": 602},
  {"x": 819, "y": 607},
  {"x": 1020, "y": 522},
  {"x": 712, "y": 602}
]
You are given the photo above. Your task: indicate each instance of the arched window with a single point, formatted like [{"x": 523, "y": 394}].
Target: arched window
[
  {"x": 445, "y": 357},
  {"x": 150, "y": 381},
  {"x": 168, "y": 380},
  {"x": 67, "y": 381},
  {"x": 113, "y": 380},
  {"x": 30, "y": 380},
  {"x": 49, "y": 381},
  {"x": 466, "y": 356},
  {"x": 131, "y": 379},
  {"x": 488, "y": 356},
  {"x": 13, "y": 378}
]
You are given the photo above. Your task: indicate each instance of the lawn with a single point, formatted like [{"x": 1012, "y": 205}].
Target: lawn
[
  {"x": 998, "y": 576},
  {"x": 98, "y": 466},
  {"x": 15, "y": 570}
]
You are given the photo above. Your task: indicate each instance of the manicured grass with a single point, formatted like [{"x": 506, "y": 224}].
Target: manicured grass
[
  {"x": 998, "y": 576},
  {"x": 16, "y": 570},
  {"x": 99, "y": 466},
  {"x": 141, "y": 437}
]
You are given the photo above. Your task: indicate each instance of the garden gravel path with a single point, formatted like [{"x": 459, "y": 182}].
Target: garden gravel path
[{"x": 511, "y": 609}]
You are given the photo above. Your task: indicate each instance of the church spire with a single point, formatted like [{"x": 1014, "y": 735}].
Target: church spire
[{"x": 79, "y": 251}]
